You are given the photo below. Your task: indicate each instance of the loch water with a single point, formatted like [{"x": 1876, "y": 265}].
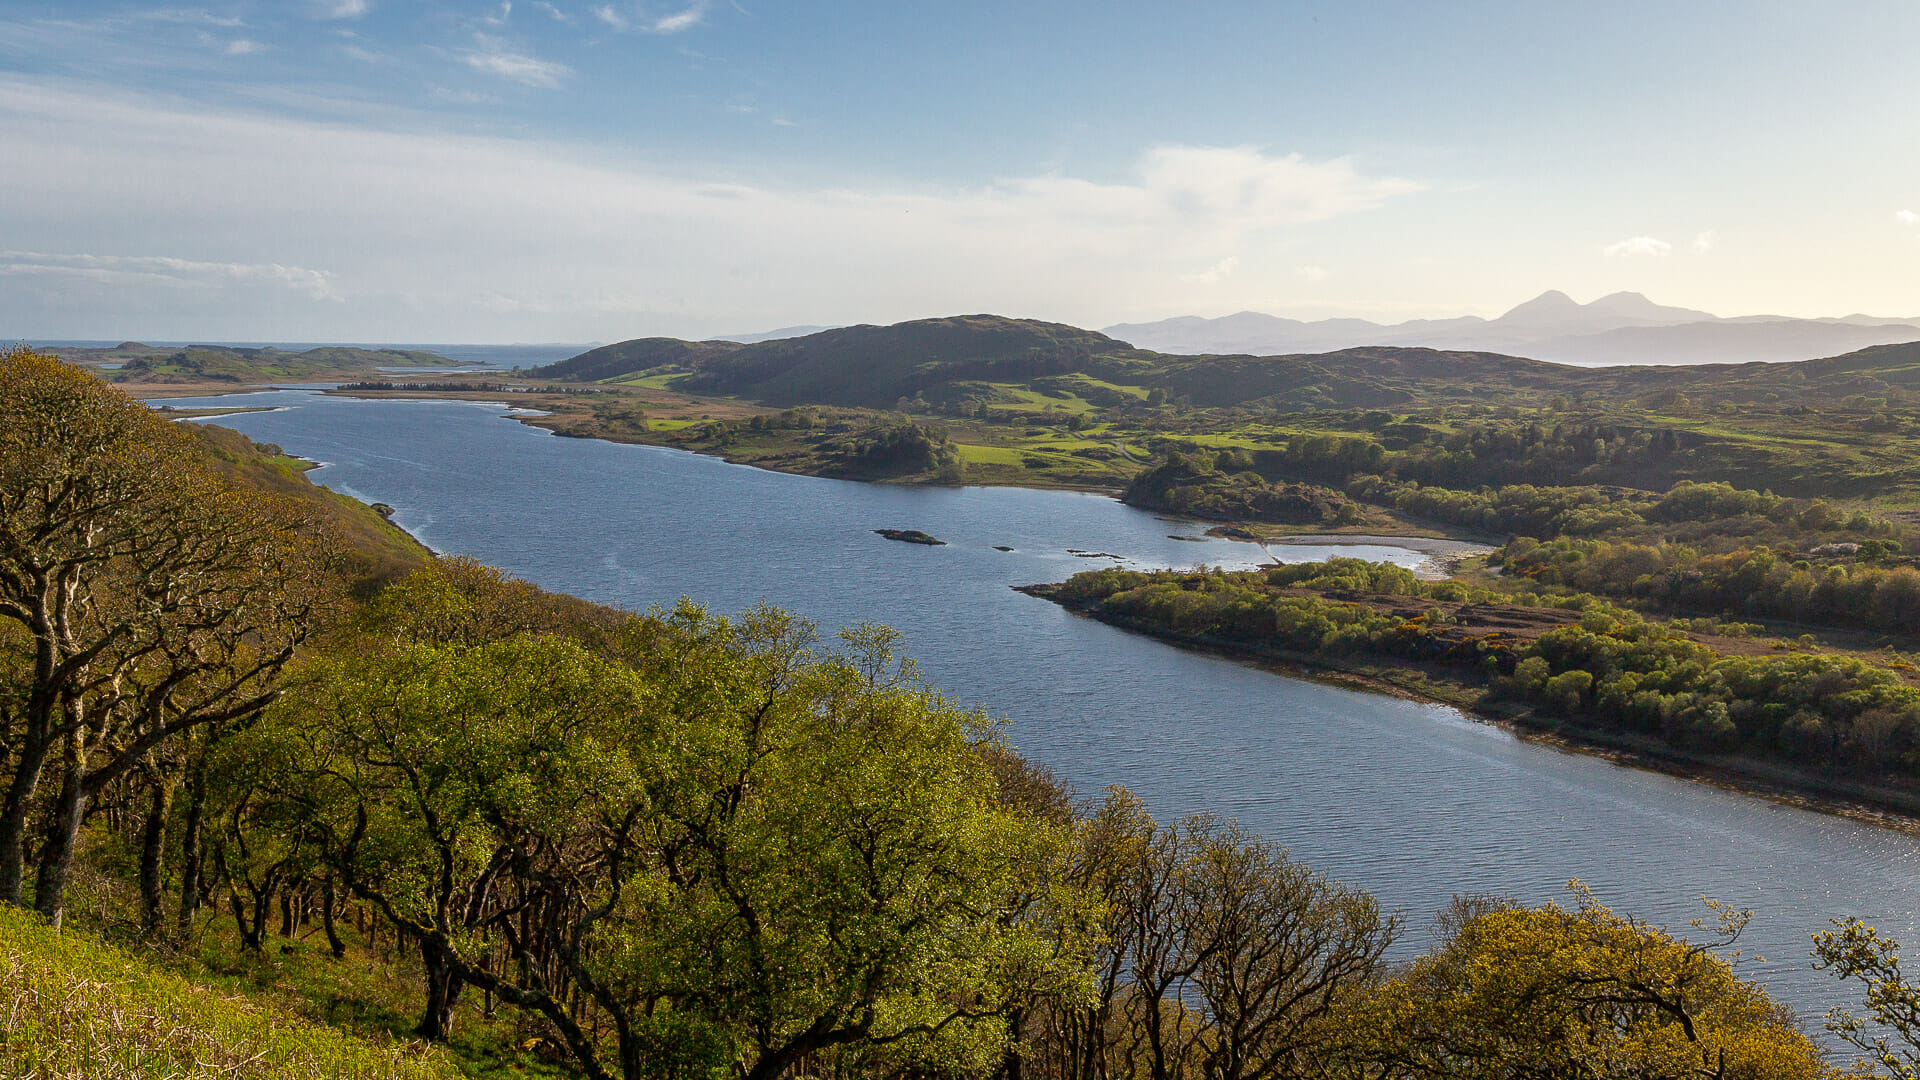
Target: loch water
[{"x": 1414, "y": 802}]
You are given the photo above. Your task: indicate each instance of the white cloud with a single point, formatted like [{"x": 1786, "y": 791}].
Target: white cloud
[
  {"x": 1205, "y": 193},
  {"x": 1310, "y": 273},
  {"x": 417, "y": 230},
  {"x": 189, "y": 16},
  {"x": 555, "y": 13},
  {"x": 1704, "y": 242},
  {"x": 1907, "y": 217},
  {"x": 150, "y": 269},
  {"x": 340, "y": 9},
  {"x": 243, "y": 47},
  {"x": 671, "y": 23},
  {"x": 1216, "y": 273},
  {"x": 493, "y": 57},
  {"x": 448, "y": 96},
  {"x": 681, "y": 20},
  {"x": 1638, "y": 245}
]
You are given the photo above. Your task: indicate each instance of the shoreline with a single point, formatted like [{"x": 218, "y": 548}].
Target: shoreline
[{"x": 1428, "y": 684}]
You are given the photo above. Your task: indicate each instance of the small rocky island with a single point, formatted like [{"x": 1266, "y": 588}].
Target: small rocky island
[{"x": 911, "y": 536}]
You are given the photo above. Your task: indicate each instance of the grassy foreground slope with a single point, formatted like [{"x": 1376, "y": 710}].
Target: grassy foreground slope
[{"x": 77, "y": 1007}]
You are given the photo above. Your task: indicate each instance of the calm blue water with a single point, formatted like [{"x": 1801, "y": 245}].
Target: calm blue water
[{"x": 1411, "y": 801}]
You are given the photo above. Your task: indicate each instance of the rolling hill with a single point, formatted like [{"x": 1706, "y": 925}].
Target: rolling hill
[
  {"x": 983, "y": 358},
  {"x": 132, "y": 362}
]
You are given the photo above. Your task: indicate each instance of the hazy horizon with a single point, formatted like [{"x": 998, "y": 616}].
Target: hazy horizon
[{"x": 365, "y": 170}]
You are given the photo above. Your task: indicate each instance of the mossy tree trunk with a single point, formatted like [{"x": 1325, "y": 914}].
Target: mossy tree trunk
[{"x": 153, "y": 842}]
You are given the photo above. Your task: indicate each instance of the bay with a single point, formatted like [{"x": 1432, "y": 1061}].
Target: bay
[{"x": 1414, "y": 802}]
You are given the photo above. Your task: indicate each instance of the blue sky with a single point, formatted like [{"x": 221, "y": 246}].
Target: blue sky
[{"x": 441, "y": 170}]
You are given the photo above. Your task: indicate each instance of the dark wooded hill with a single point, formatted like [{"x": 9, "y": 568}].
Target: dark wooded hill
[{"x": 985, "y": 358}]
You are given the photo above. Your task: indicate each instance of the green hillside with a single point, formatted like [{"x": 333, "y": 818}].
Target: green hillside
[
  {"x": 213, "y": 363},
  {"x": 631, "y": 357},
  {"x": 378, "y": 550},
  {"x": 147, "y": 364},
  {"x": 987, "y": 359},
  {"x": 868, "y": 366}
]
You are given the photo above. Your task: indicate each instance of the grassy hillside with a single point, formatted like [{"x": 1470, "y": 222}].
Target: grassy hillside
[
  {"x": 151, "y": 364},
  {"x": 871, "y": 366},
  {"x": 630, "y": 357},
  {"x": 77, "y": 1007},
  {"x": 380, "y": 550},
  {"x": 990, "y": 359},
  {"x": 215, "y": 364}
]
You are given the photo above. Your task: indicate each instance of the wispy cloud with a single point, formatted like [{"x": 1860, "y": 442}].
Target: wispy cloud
[
  {"x": 426, "y": 226},
  {"x": 1216, "y": 273},
  {"x": 492, "y": 56},
  {"x": 449, "y": 96},
  {"x": 1704, "y": 242},
  {"x": 681, "y": 20},
  {"x": 189, "y": 16},
  {"x": 651, "y": 21},
  {"x": 553, "y": 12},
  {"x": 151, "y": 269},
  {"x": 339, "y": 9},
  {"x": 1637, "y": 245},
  {"x": 243, "y": 47},
  {"x": 1310, "y": 273},
  {"x": 163, "y": 38},
  {"x": 1210, "y": 191},
  {"x": 1907, "y": 217}
]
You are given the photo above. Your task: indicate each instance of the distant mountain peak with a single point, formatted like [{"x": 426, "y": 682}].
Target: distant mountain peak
[
  {"x": 1552, "y": 307},
  {"x": 1625, "y": 298},
  {"x": 1551, "y": 300},
  {"x": 1621, "y": 327}
]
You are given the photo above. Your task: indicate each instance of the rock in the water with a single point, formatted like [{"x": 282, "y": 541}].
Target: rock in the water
[{"x": 910, "y": 536}]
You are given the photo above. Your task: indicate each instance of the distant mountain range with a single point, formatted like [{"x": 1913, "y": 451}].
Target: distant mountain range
[{"x": 1624, "y": 328}]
